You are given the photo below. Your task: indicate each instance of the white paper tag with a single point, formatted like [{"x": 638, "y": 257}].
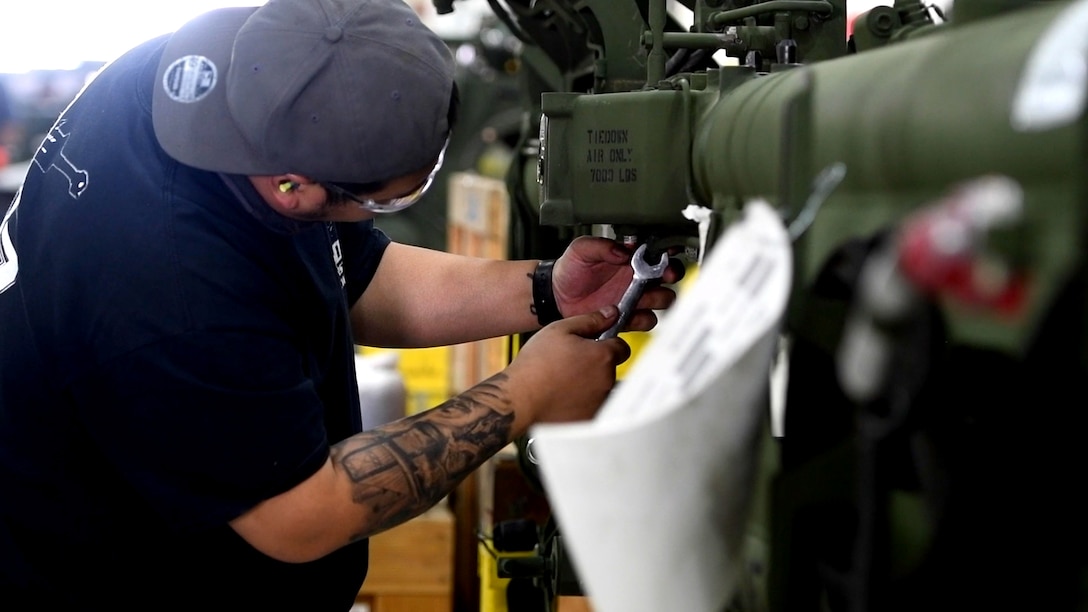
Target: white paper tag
[{"x": 740, "y": 293}]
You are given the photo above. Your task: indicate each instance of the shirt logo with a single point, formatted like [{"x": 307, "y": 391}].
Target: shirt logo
[
  {"x": 337, "y": 252},
  {"x": 50, "y": 155}
]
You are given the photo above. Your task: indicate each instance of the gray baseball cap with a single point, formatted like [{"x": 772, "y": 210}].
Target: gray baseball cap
[{"x": 337, "y": 90}]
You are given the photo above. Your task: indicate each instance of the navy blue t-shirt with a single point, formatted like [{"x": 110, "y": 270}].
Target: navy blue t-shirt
[{"x": 172, "y": 352}]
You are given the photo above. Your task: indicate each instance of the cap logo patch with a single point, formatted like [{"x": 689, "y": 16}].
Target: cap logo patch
[{"x": 189, "y": 78}]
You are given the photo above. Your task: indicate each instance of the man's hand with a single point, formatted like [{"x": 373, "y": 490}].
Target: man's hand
[
  {"x": 563, "y": 372},
  {"x": 594, "y": 272}
]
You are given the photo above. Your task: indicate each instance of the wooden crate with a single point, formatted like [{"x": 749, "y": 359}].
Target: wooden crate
[
  {"x": 411, "y": 566},
  {"x": 574, "y": 604},
  {"x": 478, "y": 217}
]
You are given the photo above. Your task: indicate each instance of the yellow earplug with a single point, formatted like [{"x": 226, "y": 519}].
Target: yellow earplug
[{"x": 288, "y": 186}]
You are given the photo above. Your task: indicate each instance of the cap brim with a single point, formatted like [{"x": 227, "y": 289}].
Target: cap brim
[{"x": 189, "y": 106}]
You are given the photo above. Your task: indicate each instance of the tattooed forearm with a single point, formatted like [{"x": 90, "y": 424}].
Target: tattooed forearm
[{"x": 403, "y": 468}]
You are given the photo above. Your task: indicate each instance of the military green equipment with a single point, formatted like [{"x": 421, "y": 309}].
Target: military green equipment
[{"x": 947, "y": 477}]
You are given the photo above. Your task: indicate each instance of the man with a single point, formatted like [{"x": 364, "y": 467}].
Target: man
[{"x": 181, "y": 282}]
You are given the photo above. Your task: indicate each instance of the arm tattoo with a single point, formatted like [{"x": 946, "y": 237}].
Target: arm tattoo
[{"x": 403, "y": 468}]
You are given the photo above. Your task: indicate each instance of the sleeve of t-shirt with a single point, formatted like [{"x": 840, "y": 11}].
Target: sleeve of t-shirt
[{"x": 363, "y": 246}]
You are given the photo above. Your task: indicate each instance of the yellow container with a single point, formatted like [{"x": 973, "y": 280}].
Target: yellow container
[{"x": 426, "y": 375}]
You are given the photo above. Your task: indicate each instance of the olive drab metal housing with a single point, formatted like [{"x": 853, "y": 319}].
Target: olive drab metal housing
[{"x": 931, "y": 167}]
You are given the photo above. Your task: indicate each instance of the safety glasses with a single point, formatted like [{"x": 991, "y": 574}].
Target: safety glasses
[{"x": 390, "y": 205}]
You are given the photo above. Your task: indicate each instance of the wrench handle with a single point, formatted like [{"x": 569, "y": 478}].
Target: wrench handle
[{"x": 626, "y": 307}]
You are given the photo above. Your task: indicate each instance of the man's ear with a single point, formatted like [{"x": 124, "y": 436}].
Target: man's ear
[{"x": 284, "y": 191}]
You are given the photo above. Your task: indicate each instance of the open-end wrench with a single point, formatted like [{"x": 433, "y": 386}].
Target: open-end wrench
[{"x": 644, "y": 273}]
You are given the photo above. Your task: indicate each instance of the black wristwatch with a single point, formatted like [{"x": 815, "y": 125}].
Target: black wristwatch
[{"x": 547, "y": 311}]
